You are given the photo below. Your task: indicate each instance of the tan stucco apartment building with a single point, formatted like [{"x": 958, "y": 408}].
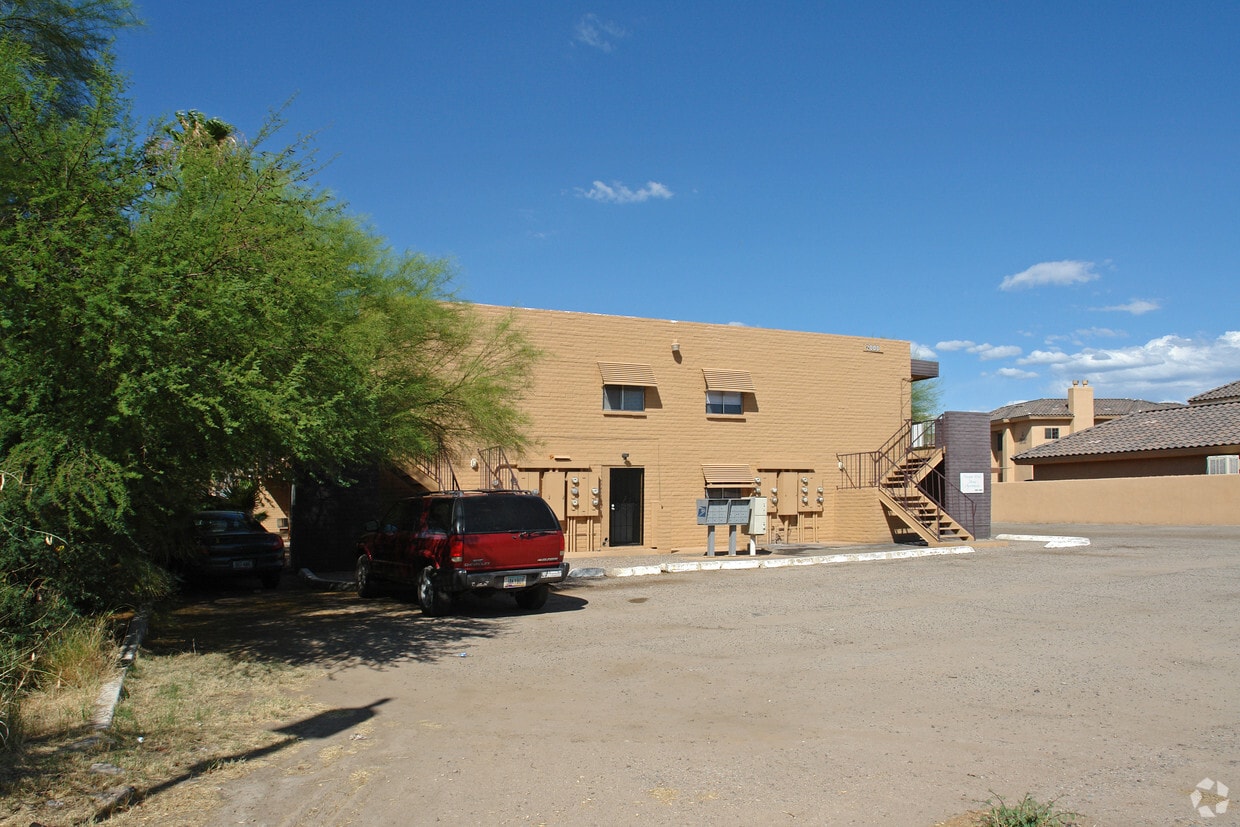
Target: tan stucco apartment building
[{"x": 636, "y": 419}]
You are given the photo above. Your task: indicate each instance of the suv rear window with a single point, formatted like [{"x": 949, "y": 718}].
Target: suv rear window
[{"x": 489, "y": 515}]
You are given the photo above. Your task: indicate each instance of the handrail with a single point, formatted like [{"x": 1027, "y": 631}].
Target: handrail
[
  {"x": 439, "y": 468},
  {"x": 871, "y": 469},
  {"x": 493, "y": 463}
]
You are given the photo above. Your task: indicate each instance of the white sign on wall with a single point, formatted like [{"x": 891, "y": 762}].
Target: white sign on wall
[{"x": 972, "y": 484}]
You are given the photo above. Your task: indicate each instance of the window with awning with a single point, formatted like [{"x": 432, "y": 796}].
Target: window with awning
[{"x": 624, "y": 385}]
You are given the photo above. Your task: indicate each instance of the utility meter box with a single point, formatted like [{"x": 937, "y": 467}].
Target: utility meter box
[{"x": 757, "y": 516}]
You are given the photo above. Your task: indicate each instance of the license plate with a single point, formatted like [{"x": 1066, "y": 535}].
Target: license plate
[
  {"x": 514, "y": 581},
  {"x": 243, "y": 564}
]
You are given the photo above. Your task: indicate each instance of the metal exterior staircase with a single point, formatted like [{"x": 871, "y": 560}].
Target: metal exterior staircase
[{"x": 907, "y": 472}]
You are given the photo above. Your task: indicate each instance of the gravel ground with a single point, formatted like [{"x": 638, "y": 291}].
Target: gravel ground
[{"x": 899, "y": 692}]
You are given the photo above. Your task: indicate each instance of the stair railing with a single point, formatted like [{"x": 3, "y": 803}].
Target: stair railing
[
  {"x": 496, "y": 471},
  {"x": 873, "y": 469},
  {"x": 439, "y": 468}
]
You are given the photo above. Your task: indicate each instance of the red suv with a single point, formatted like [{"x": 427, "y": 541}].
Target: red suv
[{"x": 451, "y": 542}]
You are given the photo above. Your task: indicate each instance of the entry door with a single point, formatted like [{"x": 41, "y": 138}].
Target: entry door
[{"x": 626, "y": 506}]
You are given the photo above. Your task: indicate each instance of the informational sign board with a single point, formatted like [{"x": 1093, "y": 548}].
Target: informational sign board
[
  {"x": 723, "y": 512},
  {"x": 972, "y": 484}
]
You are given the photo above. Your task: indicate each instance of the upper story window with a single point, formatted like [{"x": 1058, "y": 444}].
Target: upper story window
[
  {"x": 625, "y": 384},
  {"x": 1052, "y": 433},
  {"x": 624, "y": 398},
  {"x": 725, "y": 391},
  {"x": 724, "y": 402}
]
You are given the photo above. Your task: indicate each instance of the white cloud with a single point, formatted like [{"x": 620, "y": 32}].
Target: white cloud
[
  {"x": 1015, "y": 373},
  {"x": 617, "y": 193},
  {"x": 1045, "y": 357},
  {"x": 1136, "y": 307},
  {"x": 955, "y": 344},
  {"x": 920, "y": 351},
  {"x": 1078, "y": 337},
  {"x": 1056, "y": 273},
  {"x": 985, "y": 351},
  {"x": 1169, "y": 367},
  {"x": 593, "y": 31}
]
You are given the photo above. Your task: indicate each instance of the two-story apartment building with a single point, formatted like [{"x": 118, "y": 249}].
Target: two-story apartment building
[{"x": 633, "y": 421}]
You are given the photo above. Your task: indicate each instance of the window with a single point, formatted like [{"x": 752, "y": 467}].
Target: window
[
  {"x": 999, "y": 443},
  {"x": 1052, "y": 433},
  {"x": 726, "y": 494},
  {"x": 723, "y": 402},
  {"x": 624, "y": 398}
]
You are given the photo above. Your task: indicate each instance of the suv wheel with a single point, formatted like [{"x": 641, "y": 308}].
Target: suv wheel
[
  {"x": 433, "y": 600},
  {"x": 365, "y": 578},
  {"x": 532, "y": 598}
]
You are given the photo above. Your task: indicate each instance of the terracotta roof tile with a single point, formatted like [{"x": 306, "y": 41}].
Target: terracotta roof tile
[
  {"x": 1058, "y": 408},
  {"x": 1193, "y": 426},
  {"x": 1226, "y": 393}
]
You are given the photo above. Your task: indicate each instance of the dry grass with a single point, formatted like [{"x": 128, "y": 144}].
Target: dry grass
[{"x": 190, "y": 720}]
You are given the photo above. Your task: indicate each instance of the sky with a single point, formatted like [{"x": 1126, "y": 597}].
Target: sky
[{"x": 1029, "y": 193}]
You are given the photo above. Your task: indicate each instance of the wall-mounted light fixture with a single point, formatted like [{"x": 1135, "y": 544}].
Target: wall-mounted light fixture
[
  {"x": 624, "y": 456},
  {"x": 675, "y": 346}
]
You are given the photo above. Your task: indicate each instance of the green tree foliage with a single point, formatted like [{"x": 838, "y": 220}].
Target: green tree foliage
[
  {"x": 67, "y": 40},
  {"x": 927, "y": 399},
  {"x": 189, "y": 309}
]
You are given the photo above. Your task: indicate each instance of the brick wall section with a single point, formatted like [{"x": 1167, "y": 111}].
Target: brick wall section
[
  {"x": 816, "y": 395},
  {"x": 965, "y": 437}
]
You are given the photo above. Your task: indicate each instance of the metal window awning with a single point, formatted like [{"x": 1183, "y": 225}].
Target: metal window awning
[
  {"x": 728, "y": 476},
  {"x": 737, "y": 381},
  {"x": 621, "y": 373}
]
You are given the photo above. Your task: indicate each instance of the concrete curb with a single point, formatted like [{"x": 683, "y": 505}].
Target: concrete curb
[
  {"x": 110, "y": 694},
  {"x": 727, "y": 563},
  {"x": 1051, "y": 540},
  {"x": 736, "y": 563},
  {"x": 326, "y": 584}
]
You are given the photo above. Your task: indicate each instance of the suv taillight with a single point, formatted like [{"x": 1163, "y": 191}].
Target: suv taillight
[{"x": 456, "y": 550}]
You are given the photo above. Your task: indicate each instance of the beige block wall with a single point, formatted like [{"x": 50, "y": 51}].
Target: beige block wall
[
  {"x": 1177, "y": 500},
  {"x": 816, "y": 395}
]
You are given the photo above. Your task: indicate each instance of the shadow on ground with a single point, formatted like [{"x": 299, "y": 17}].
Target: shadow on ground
[{"x": 301, "y": 626}]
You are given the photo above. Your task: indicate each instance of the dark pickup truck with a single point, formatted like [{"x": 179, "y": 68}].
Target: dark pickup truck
[{"x": 450, "y": 542}]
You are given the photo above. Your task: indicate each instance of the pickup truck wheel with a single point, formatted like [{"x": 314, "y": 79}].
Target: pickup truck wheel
[
  {"x": 433, "y": 600},
  {"x": 365, "y": 578},
  {"x": 532, "y": 598}
]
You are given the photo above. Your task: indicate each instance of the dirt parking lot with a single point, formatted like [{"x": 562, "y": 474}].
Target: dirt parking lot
[{"x": 892, "y": 693}]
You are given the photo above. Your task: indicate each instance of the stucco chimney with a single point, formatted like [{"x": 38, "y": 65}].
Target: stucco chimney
[{"x": 1081, "y": 405}]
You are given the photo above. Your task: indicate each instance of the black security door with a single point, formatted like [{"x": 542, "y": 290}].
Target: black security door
[{"x": 626, "y": 506}]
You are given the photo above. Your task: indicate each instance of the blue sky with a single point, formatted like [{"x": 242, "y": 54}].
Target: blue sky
[{"x": 1031, "y": 193}]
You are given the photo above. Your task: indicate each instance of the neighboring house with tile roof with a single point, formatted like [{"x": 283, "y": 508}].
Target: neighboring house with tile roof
[
  {"x": 1024, "y": 426},
  {"x": 1226, "y": 393},
  {"x": 1169, "y": 441}
]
